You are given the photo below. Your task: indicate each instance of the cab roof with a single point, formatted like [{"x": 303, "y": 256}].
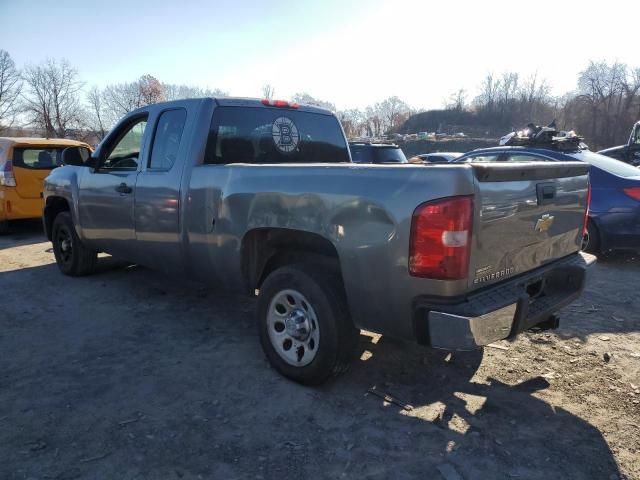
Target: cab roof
[{"x": 39, "y": 142}]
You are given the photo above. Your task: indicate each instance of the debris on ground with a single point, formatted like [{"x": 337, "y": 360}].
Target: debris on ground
[
  {"x": 495, "y": 345},
  {"x": 94, "y": 458},
  {"x": 390, "y": 399}
]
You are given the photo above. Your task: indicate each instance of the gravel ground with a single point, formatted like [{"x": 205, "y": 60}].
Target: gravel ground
[{"x": 128, "y": 374}]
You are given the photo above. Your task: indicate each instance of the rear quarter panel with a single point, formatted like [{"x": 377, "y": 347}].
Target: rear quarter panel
[{"x": 364, "y": 210}]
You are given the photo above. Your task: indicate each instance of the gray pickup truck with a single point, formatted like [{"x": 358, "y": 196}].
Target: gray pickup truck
[{"x": 262, "y": 197}]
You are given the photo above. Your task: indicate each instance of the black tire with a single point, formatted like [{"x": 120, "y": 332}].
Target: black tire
[
  {"x": 72, "y": 256},
  {"x": 591, "y": 242},
  {"x": 4, "y": 227},
  {"x": 338, "y": 337}
]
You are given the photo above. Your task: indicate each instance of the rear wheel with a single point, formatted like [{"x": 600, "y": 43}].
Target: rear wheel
[
  {"x": 72, "y": 256},
  {"x": 304, "y": 325},
  {"x": 591, "y": 239}
]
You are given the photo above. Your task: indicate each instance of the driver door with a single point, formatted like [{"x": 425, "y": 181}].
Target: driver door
[{"x": 106, "y": 206}]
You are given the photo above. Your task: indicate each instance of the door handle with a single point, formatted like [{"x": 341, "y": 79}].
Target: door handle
[{"x": 124, "y": 188}]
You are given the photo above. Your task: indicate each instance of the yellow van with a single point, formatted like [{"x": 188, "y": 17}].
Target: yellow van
[{"x": 24, "y": 164}]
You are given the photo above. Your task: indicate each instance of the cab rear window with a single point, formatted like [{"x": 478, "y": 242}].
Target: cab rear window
[
  {"x": 37, "y": 158},
  {"x": 273, "y": 135}
]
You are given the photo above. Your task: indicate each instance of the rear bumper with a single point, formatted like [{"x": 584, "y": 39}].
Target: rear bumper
[
  {"x": 619, "y": 230},
  {"x": 501, "y": 311}
]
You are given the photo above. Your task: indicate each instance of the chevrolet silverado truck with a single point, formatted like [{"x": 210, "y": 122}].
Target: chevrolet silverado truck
[
  {"x": 629, "y": 153},
  {"x": 262, "y": 197}
]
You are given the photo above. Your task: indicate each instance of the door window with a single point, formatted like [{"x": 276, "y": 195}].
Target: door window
[
  {"x": 166, "y": 142},
  {"x": 124, "y": 154},
  {"x": 522, "y": 157},
  {"x": 482, "y": 158}
]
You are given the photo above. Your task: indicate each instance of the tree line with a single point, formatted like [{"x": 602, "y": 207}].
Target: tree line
[
  {"x": 51, "y": 98},
  {"x": 602, "y": 108}
]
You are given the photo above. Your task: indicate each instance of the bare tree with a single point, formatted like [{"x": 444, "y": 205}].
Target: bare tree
[
  {"x": 178, "y": 92},
  {"x": 393, "y": 112},
  {"x": 123, "y": 98},
  {"x": 268, "y": 91},
  {"x": 457, "y": 100},
  {"x": 96, "y": 112},
  {"x": 150, "y": 90},
  {"x": 353, "y": 122},
  {"x": 10, "y": 87},
  {"x": 51, "y": 99},
  {"x": 307, "y": 99}
]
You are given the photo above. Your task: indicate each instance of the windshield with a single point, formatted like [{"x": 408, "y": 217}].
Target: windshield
[
  {"x": 389, "y": 155},
  {"x": 608, "y": 164}
]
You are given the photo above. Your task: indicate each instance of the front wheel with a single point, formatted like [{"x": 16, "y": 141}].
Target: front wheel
[
  {"x": 72, "y": 256},
  {"x": 304, "y": 324}
]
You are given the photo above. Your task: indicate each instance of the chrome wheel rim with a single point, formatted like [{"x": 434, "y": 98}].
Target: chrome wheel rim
[{"x": 293, "y": 328}]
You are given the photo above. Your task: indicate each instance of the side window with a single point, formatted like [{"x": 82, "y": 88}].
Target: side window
[
  {"x": 636, "y": 136},
  {"x": 482, "y": 158},
  {"x": 37, "y": 158},
  {"x": 166, "y": 141},
  {"x": 123, "y": 155},
  {"x": 526, "y": 158}
]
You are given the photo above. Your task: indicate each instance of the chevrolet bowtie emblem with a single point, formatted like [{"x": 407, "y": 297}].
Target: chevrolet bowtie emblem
[{"x": 544, "y": 223}]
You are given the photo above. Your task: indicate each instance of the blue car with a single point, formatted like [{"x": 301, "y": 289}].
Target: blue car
[{"x": 614, "y": 213}]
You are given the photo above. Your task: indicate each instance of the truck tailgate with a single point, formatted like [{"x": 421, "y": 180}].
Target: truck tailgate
[{"x": 526, "y": 216}]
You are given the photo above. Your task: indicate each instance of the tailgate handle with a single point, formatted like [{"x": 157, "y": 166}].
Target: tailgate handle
[{"x": 546, "y": 193}]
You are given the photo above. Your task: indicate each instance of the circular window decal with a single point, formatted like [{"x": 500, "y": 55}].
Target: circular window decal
[{"x": 285, "y": 134}]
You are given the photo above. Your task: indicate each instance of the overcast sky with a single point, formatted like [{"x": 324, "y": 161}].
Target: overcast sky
[{"x": 351, "y": 53}]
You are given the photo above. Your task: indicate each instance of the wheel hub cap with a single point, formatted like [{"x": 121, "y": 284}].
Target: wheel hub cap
[{"x": 297, "y": 325}]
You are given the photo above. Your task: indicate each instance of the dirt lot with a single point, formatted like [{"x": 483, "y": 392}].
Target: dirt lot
[{"x": 128, "y": 374}]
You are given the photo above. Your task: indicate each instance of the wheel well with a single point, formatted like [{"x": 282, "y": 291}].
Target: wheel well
[
  {"x": 54, "y": 206},
  {"x": 265, "y": 249}
]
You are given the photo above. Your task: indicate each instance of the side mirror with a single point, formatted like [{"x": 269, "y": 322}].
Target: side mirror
[{"x": 77, "y": 156}]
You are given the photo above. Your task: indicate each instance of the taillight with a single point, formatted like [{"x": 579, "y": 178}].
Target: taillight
[
  {"x": 586, "y": 212},
  {"x": 7, "y": 178},
  {"x": 441, "y": 239},
  {"x": 279, "y": 103},
  {"x": 633, "y": 192}
]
